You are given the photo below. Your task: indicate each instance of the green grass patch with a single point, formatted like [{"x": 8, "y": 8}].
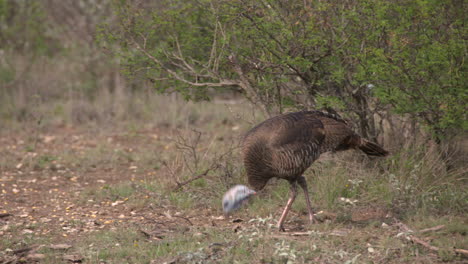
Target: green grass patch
[
  {"x": 132, "y": 246},
  {"x": 108, "y": 192}
]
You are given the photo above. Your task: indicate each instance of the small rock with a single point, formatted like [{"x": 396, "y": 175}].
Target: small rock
[
  {"x": 27, "y": 231},
  {"x": 116, "y": 203}
]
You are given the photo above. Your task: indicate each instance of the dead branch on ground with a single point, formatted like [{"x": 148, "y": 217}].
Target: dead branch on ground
[
  {"x": 423, "y": 243},
  {"x": 435, "y": 228}
]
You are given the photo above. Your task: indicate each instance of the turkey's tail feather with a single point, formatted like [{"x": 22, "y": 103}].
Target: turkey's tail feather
[{"x": 372, "y": 149}]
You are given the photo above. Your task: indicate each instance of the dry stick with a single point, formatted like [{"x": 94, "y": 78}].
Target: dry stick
[
  {"x": 181, "y": 184},
  {"x": 300, "y": 234},
  {"x": 184, "y": 218},
  {"x": 289, "y": 234},
  {"x": 171, "y": 171},
  {"x": 427, "y": 245},
  {"x": 2, "y": 215},
  {"x": 435, "y": 228},
  {"x": 423, "y": 243}
]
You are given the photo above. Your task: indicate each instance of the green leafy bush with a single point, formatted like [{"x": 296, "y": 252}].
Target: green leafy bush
[{"x": 360, "y": 57}]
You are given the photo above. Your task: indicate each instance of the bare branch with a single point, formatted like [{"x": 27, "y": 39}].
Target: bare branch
[
  {"x": 423, "y": 243},
  {"x": 144, "y": 39},
  {"x": 199, "y": 176},
  {"x": 221, "y": 83},
  {"x": 223, "y": 48},
  {"x": 181, "y": 56},
  {"x": 435, "y": 228},
  {"x": 244, "y": 83},
  {"x": 189, "y": 149},
  {"x": 213, "y": 47}
]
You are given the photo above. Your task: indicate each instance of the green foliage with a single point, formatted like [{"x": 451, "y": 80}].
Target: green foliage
[
  {"x": 358, "y": 56},
  {"x": 109, "y": 192},
  {"x": 44, "y": 160},
  {"x": 23, "y": 27},
  {"x": 420, "y": 69},
  {"x": 7, "y": 74}
]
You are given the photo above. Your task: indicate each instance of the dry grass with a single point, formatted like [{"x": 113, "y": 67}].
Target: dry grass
[
  {"x": 140, "y": 164},
  {"x": 111, "y": 150}
]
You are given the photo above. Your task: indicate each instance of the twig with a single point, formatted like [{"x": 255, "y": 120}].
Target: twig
[
  {"x": 434, "y": 248},
  {"x": 171, "y": 171},
  {"x": 289, "y": 234},
  {"x": 423, "y": 243},
  {"x": 182, "y": 184},
  {"x": 3, "y": 215},
  {"x": 23, "y": 251},
  {"x": 146, "y": 234},
  {"x": 238, "y": 116},
  {"x": 26, "y": 250},
  {"x": 403, "y": 227},
  {"x": 300, "y": 234},
  {"x": 185, "y": 218},
  {"x": 435, "y": 228},
  {"x": 189, "y": 148},
  {"x": 221, "y": 82}
]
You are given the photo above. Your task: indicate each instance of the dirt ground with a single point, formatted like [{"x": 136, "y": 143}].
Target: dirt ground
[
  {"x": 59, "y": 186},
  {"x": 41, "y": 190}
]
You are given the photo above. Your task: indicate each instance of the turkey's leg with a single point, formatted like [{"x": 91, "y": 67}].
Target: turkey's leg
[
  {"x": 302, "y": 182},
  {"x": 293, "y": 193}
]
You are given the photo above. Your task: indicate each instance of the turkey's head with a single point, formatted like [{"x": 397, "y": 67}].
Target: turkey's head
[{"x": 235, "y": 197}]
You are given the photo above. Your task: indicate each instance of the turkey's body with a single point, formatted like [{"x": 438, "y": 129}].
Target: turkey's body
[{"x": 285, "y": 146}]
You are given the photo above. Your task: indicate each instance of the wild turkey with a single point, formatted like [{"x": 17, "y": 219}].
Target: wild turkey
[{"x": 286, "y": 145}]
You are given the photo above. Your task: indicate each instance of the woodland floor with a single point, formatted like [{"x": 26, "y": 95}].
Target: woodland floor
[{"x": 80, "y": 195}]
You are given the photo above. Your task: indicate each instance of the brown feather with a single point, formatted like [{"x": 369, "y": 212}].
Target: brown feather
[
  {"x": 372, "y": 149},
  {"x": 286, "y": 145}
]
